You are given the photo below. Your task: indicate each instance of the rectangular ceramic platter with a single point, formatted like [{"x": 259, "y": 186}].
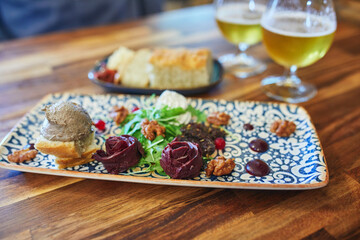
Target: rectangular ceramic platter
[{"x": 296, "y": 162}]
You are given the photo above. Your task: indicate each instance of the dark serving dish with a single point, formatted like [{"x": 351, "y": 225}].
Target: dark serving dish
[{"x": 215, "y": 79}]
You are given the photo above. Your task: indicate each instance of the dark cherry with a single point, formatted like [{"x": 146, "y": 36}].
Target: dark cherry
[
  {"x": 248, "y": 127},
  {"x": 257, "y": 167},
  {"x": 259, "y": 145},
  {"x": 30, "y": 146}
]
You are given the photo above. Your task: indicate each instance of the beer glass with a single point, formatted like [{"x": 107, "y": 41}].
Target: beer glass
[
  {"x": 296, "y": 33},
  {"x": 239, "y": 23}
]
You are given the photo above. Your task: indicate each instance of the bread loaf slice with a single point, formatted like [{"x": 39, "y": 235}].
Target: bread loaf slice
[
  {"x": 180, "y": 68},
  {"x": 84, "y": 158},
  {"x": 119, "y": 61},
  {"x": 136, "y": 74},
  {"x": 73, "y": 149}
]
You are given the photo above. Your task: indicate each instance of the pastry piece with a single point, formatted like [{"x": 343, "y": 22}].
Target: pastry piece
[
  {"x": 136, "y": 74},
  {"x": 66, "y": 133},
  {"x": 119, "y": 61},
  {"x": 179, "y": 68}
]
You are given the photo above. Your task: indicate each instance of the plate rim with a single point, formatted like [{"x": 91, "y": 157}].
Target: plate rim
[{"x": 161, "y": 181}]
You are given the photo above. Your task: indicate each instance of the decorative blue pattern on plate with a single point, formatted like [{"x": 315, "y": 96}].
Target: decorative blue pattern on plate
[{"x": 296, "y": 162}]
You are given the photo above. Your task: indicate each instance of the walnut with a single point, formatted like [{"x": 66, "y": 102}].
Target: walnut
[
  {"x": 20, "y": 156},
  {"x": 283, "y": 128},
  {"x": 220, "y": 166},
  {"x": 119, "y": 114},
  {"x": 218, "y": 118},
  {"x": 151, "y": 129}
]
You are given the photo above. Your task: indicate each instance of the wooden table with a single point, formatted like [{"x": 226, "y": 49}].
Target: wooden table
[{"x": 36, "y": 206}]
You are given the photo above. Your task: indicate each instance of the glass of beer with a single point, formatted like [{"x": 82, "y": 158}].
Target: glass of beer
[
  {"x": 239, "y": 23},
  {"x": 296, "y": 33}
]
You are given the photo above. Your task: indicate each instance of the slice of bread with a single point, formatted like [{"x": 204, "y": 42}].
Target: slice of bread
[
  {"x": 57, "y": 148},
  {"x": 119, "y": 61},
  {"x": 179, "y": 68},
  {"x": 73, "y": 149},
  {"x": 71, "y": 162},
  {"x": 136, "y": 74}
]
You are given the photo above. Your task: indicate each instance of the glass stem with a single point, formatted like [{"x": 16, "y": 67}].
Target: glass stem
[
  {"x": 252, "y": 5},
  {"x": 290, "y": 77},
  {"x": 243, "y": 47}
]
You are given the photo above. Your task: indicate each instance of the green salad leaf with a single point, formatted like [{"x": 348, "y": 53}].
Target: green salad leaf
[
  {"x": 200, "y": 116},
  {"x": 166, "y": 117}
]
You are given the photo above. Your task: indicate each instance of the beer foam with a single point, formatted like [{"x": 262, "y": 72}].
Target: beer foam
[
  {"x": 293, "y": 24},
  {"x": 239, "y": 13}
]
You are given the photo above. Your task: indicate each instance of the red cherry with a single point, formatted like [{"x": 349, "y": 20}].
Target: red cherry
[
  {"x": 135, "y": 109},
  {"x": 100, "y": 124},
  {"x": 219, "y": 143}
]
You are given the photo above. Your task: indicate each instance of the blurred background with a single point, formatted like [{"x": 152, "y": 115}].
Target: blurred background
[{"x": 24, "y": 18}]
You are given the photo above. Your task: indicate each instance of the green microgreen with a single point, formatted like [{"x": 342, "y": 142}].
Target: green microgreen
[
  {"x": 200, "y": 115},
  {"x": 166, "y": 117}
]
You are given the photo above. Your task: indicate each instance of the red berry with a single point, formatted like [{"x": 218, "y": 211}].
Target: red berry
[
  {"x": 100, "y": 124},
  {"x": 135, "y": 109},
  {"x": 219, "y": 143}
]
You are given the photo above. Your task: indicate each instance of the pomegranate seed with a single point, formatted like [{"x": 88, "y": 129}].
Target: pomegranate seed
[
  {"x": 100, "y": 124},
  {"x": 135, "y": 109},
  {"x": 219, "y": 143}
]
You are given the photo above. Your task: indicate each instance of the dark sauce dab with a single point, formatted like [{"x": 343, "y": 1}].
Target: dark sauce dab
[
  {"x": 259, "y": 145},
  {"x": 257, "y": 167},
  {"x": 248, "y": 127}
]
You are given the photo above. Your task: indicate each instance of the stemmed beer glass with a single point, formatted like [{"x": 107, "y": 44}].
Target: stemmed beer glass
[
  {"x": 296, "y": 33},
  {"x": 239, "y": 22}
]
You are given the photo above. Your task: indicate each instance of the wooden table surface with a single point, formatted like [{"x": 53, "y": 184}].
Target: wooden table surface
[{"x": 34, "y": 206}]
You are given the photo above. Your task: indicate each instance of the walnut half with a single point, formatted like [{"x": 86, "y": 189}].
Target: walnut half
[
  {"x": 283, "y": 128},
  {"x": 220, "y": 166},
  {"x": 218, "y": 118},
  {"x": 20, "y": 156},
  {"x": 151, "y": 129},
  {"x": 119, "y": 114}
]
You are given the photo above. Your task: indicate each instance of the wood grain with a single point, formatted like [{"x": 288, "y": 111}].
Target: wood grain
[{"x": 48, "y": 207}]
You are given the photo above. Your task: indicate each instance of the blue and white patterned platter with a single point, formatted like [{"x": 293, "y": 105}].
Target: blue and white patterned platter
[{"x": 296, "y": 162}]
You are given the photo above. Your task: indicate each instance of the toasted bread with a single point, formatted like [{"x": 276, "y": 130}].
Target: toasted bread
[
  {"x": 73, "y": 149},
  {"x": 71, "y": 162},
  {"x": 57, "y": 148}
]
